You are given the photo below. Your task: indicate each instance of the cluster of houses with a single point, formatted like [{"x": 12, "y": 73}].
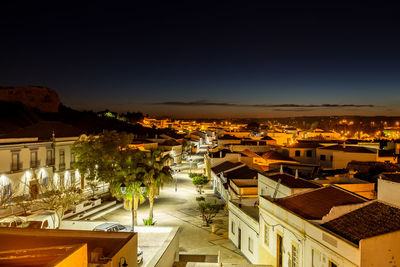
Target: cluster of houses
[
  {"x": 38, "y": 155},
  {"x": 309, "y": 203}
]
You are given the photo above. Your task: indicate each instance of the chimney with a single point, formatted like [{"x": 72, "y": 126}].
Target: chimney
[
  {"x": 297, "y": 174},
  {"x": 344, "y": 144},
  {"x": 281, "y": 171},
  {"x": 220, "y": 153},
  {"x": 397, "y": 148}
]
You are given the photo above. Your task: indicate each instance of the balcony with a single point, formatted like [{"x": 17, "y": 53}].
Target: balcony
[
  {"x": 35, "y": 164},
  {"x": 61, "y": 166},
  {"x": 50, "y": 162},
  {"x": 16, "y": 166}
]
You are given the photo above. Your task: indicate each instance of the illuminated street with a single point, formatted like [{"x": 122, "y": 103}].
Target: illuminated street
[{"x": 179, "y": 209}]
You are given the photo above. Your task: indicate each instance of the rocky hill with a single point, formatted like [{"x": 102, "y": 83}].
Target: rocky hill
[{"x": 42, "y": 98}]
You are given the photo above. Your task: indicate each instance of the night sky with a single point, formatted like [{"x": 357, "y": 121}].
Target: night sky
[{"x": 197, "y": 59}]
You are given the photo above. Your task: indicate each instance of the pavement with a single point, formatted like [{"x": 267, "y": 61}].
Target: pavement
[{"x": 180, "y": 209}]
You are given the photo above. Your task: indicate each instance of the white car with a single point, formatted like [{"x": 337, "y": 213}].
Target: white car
[{"x": 116, "y": 227}]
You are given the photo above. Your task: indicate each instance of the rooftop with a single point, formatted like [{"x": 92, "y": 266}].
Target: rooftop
[
  {"x": 275, "y": 155},
  {"x": 245, "y": 182},
  {"x": 17, "y": 239},
  {"x": 241, "y": 173},
  {"x": 224, "y": 166},
  {"x": 305, "y": 145},
  {"x": 251, "y": 211},
  {"x": 349, "y": 149},
  {"x": 291, "y": 182},
  {"x": 391, "y": 176},
  {"x": 250, "y": 154},
  {"x": 374, "y": 219},
  {"x": 314, "y": 205}
]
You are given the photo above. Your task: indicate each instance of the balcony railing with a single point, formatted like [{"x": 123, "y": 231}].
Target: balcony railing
[
  {"x": 49, "y": 162},
  {"x": 35, "y": 164},
  {"x": 61, "y": 166},
  {"x": 16, "y": 166}
]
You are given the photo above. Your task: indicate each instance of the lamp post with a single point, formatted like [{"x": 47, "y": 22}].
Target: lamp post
[{"x": 123, "y": 191}]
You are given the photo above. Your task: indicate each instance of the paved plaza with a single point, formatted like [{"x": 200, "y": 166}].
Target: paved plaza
[{"x": 180, "y": 209}]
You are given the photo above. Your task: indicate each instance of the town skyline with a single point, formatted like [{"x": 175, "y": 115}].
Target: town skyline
[{"x": 237, "y": 60}]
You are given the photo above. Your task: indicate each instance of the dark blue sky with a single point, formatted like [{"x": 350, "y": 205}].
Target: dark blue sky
[{"x": 233, "y": 59}]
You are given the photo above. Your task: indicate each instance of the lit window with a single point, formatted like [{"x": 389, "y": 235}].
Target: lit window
[
  {"x": 295, "y": 255},
  {"x": 266, "y": 234}
]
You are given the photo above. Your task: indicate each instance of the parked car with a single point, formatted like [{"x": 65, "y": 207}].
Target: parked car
[
  {"x": 45, "y": 219},
  {"x": 117, "y": 227},
  {"x": 11, "y": 222}
]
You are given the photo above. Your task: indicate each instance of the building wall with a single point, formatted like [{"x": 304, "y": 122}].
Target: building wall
[
  {"x": 339, "y": 159},
  {"x": 78, "y": 258},
  {"x": 267, "y": 187},
  {"x": 129, "y": 251},
  {"x": 249, "y": 232},
  {"x": 382, "y": 250},
  {"x": 389, "y": 192},
  {"x": 303, "y": 155},
  {"x": 296, "y": 230}
]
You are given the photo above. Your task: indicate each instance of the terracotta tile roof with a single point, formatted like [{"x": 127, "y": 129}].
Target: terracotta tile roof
[
  {"x": 250, "y": 154},
  {"x": 305, "y": 145},
  {"x": 374, "y": 219},
  {"x": 291, "y": 182},
  {"x": 224, "y": 166},
  {"x": 316, "y": 204},
  {"x": 241, "y": 173},
  {"x": 274, "y": 155},
  {"x": 350, "y": 149}
]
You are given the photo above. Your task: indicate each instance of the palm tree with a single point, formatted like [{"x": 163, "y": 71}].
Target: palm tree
[
  {"x": 132, "y": 177},
  {"x": 155, "y": 173}
]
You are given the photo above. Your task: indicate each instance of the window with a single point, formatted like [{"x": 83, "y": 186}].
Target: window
[
  {"x": 266, "y": 234},
  {"x": 6, "y": 190},
  {"x": 72, "y": 158},
  {"x": 15, "y": 166},
  {"x": 331, "y": 158},
  {"x": 332, "y": 264},
  {"x": 309, "y": 153},
  {"x": 62, "y": 160},
  {"x": 322, "y": 157},
  {"x": 250, "y": 245},
  {"x": 34, "y": 159},
  {"x": 297, "y": 153},
  {"x": 232, "y": 227},
  {"x": 315, "y": 258},
  {"x": 62, "y": 157},
  {"x": 295, "y": 255},
  {"x": 49, "y": 157}
]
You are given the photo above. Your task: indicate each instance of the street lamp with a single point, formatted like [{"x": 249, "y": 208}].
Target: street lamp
[
  {"x": 123, "y": 188},
  {"x": 142, "y": 188},
  {"x": 124, "y": 264}
]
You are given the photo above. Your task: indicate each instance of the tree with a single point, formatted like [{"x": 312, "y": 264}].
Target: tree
[
  {"x": 108, "y": 158},
  {"x": 97, "y": 156},
  {"x": 61, "y": 199},
  {"x": 208, "y": 210},
  {"x": 199, "y": 181},
  {"x": 156, "y": 173}
]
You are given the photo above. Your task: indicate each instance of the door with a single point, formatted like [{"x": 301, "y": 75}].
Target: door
[
  {"x": 239, "y": 238},
  {"x": 279, "y": 250}
]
